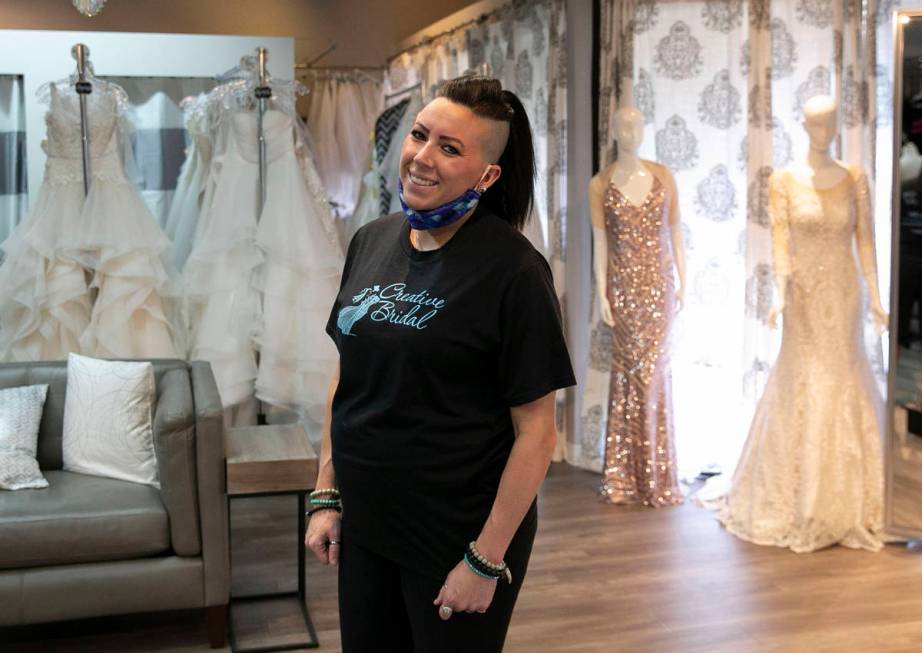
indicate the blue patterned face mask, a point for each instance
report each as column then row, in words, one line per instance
column 440, row 216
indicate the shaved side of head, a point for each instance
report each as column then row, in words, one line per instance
column 496, row 138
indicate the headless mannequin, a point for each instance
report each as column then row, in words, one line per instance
column 821, row 171
column 634, row 179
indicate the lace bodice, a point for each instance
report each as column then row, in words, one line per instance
column 812, row 229
column 277, row 130
column 104, row 106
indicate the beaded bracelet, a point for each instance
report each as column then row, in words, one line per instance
column 324, row 492
column 477, row 555
column 310, row 512
column 473, row 567
column 474, row 557
column 325, row 502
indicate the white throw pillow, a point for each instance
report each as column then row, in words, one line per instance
column 20, row 416
column 108, row 412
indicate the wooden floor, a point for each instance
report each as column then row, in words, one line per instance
column 602, row 578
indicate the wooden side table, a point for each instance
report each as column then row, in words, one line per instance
column 267, row 461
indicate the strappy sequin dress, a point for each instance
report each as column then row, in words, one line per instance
column 640, row 463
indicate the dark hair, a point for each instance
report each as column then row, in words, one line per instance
column 512, row 196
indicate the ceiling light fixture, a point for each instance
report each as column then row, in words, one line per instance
column 89, row 8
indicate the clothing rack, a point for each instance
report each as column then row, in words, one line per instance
column 354, row 73
column 308, row 67
column 482, row 18
column 83, row 87
column 263, row 93
column 408, row 89
column 318, row 57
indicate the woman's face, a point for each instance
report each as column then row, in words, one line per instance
column 445, row 154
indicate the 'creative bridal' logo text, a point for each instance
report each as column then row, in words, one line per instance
column 392, row 304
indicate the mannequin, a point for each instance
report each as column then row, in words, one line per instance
column 811, row 472
column 634, row 178
column 637, row 254
column 821, row 172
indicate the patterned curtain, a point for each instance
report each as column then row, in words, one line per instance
column 13, row 199
column 616, row 67
column 722, row 85
column 523, row 44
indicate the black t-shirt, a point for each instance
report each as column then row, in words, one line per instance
column 434, row 348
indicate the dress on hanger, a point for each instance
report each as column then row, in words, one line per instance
column 375, row 195
column 45, row 307
column 184, row 211
column 811, row 472
column 264, row 284
column 640, row 463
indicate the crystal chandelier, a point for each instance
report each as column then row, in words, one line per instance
column 89, row 7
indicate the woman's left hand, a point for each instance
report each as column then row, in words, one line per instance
column 465, row 591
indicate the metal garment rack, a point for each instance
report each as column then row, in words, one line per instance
column 83, row 87
column 405, row 91
column 262, row 92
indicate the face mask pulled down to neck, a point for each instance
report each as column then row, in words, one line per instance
column 443, row 215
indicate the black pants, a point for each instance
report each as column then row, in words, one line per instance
column 384, row 607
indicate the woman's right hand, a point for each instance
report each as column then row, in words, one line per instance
column 322, row 537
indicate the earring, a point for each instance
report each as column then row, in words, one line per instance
column 482, row 190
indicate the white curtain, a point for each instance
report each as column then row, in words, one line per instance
column 523, row 45
column 13, row 199
column 341, row 111
column 722, row 84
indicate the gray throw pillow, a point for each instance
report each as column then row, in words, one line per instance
column 20, row 416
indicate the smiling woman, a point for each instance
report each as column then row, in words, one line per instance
column 441, row 421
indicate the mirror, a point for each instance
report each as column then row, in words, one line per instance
column 903, row 452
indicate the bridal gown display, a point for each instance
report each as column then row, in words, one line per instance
column 183, row 216
column 811, row 472
column 45, row 302
column 264, row 285
column 640, row 460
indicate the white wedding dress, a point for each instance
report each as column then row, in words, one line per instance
column 109, row 236
column 264, row 285
column 811, row 472
column 185, row 208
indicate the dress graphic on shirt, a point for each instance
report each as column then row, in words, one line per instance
column 349, row 315
column 397, row 306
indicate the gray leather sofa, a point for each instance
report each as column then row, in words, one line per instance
column 88, row 546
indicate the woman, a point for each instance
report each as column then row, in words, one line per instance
column 440, row 425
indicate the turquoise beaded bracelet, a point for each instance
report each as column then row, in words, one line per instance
column 470, row 565
column 325, row 502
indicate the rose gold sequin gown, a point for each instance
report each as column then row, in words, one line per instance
column 640, row 464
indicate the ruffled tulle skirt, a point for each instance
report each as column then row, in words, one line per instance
column 86, row 273
column 259, row 292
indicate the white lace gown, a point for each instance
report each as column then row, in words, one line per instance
column 811, row 472
column 108, row 236
column 264, row 285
